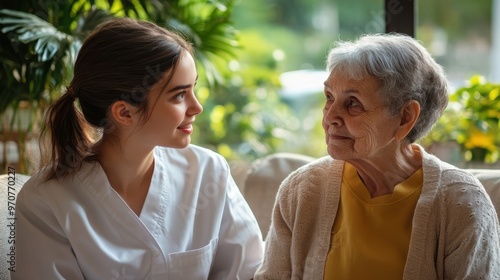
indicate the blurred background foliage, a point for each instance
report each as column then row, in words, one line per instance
column 244, row 49
column 472, row 120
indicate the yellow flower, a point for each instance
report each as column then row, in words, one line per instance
column 476, row 80
column 479, row 139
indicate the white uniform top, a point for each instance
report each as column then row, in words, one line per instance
column 195, row 224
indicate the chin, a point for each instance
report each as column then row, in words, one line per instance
column 184, row 144
column 178, row 145
column 335, row 153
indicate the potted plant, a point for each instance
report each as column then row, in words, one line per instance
column 472, row 121
column 479, row 126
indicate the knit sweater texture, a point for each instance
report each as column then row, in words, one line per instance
column 455, row 232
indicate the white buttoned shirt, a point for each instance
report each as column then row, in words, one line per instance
column 195, row 224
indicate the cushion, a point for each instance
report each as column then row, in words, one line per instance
column 263, row 180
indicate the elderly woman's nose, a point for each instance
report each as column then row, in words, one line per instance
column 333, row 114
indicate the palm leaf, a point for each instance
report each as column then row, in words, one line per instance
column 42, row 57
column 30, row 28
column 89, row 21
column 206, row 24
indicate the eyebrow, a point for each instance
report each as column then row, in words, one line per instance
column 349, row 90
column 179, row 87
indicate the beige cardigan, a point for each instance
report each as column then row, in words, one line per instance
column 455, row 231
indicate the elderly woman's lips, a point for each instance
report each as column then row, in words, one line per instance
column 338, row 137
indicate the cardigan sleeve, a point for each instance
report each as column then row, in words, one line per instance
column 299, row 237
column 472, row 234
column 277, row 263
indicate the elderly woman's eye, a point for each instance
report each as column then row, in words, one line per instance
column 354, row 106
column 352, row 103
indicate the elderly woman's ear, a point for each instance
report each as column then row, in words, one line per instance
column 409, row 116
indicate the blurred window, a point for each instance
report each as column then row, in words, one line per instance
column 463, row 36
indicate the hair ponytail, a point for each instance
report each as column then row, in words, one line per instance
column 67, row 136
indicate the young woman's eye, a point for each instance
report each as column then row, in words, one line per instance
column 180, row 96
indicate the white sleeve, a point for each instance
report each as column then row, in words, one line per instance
column 240, row 249
column 42, row 249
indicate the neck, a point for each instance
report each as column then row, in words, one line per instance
column 381, row 176
column 127, row 168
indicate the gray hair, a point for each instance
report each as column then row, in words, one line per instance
column 405, row 69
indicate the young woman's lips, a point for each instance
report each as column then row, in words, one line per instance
column 188, row 128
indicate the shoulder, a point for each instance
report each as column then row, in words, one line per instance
column 458, row 189
column 317, row 172
column 313, row 179
column 37, row 184
column 309, row 196
column 39, row 196
column 460, row 185
column 323, row 165
column 192, row 156
column 447, row 175
column 192, row 152
column 38, row 189
column 462, row 189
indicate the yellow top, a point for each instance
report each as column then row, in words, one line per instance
column 370, row 237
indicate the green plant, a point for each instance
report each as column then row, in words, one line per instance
column 472, row 120
column 37, row 59
column 243, row 115
column 40, row 40
column 39, row 43
column 480, row 122
column 245, row 118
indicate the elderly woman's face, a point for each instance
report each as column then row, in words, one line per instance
column 356, row 123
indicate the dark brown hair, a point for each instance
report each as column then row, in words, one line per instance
column 120, row 60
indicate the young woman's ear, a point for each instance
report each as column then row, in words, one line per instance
column 123, row 113
column 409, row 116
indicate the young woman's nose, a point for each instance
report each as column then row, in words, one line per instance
column 195, row 107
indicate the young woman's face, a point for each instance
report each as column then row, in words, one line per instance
column 172, row 108
column 356, row 123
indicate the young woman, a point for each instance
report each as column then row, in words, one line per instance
column 140, row 202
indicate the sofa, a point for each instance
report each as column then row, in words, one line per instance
column 258, row 181
column 262, row 179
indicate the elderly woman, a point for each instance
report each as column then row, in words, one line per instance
column 380, row 206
